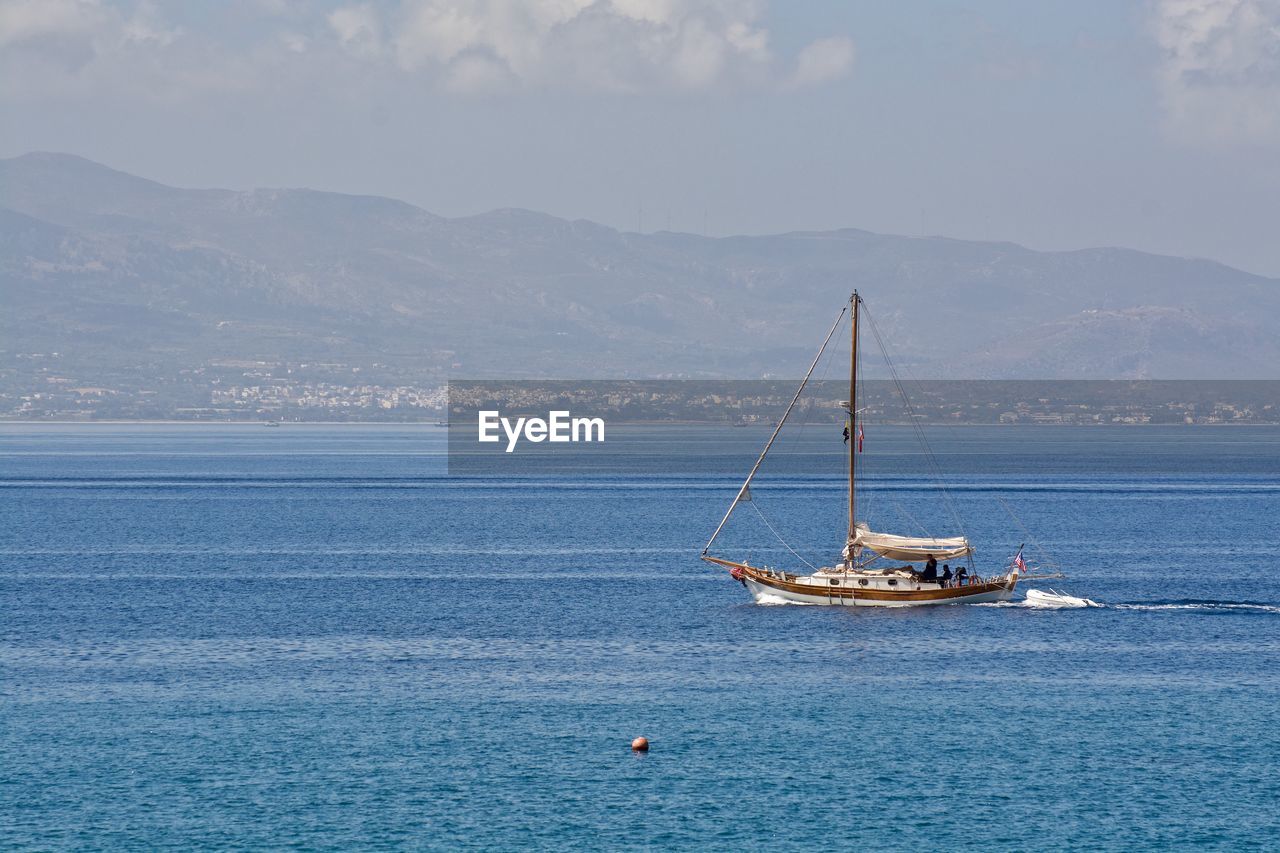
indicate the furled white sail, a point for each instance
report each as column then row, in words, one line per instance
column 912, row 548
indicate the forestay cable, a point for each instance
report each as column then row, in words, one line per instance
column 754, row 468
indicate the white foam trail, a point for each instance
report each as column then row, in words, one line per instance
column 1206, row 606
column 1190, row 607
column 768, row 599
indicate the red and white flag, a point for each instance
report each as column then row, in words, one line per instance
column 1019, row 563
column 859, row 438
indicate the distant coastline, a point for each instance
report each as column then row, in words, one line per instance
column 725, row 401
column 10, row 422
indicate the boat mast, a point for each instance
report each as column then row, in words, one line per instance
column 853, row 416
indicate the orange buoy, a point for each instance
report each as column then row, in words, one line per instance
column 640, row 744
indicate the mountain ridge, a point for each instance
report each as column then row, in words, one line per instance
column 143, row 275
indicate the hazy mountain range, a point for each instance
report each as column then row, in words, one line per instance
column 120, row 274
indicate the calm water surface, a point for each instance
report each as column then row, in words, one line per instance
column 311, row 636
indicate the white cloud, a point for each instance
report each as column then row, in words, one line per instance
column 1220, row 67
column 823, row 60
column 294, row 42
column 605, row 44
column 359, row 30
column 70, row 47
column 96, row 26
column 59, row 46
column 477, row 72
column 30, row 20
column 609, row 45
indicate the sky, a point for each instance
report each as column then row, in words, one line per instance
column 1060, row 124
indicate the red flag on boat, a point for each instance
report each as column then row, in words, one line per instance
column 1018, row 562
column 860, row 438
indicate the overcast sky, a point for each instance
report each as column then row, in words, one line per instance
column 1058, row 125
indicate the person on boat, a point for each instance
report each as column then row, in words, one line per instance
column 946, row 575
column 846, row 434
column 930, row 570
column 962, row 576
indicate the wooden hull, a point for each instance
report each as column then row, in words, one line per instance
column 775, row 587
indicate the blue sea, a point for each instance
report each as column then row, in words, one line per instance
column 313, row 637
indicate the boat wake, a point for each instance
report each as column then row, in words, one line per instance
column 1038, row 600
column 765, row 599
column 1204, row 606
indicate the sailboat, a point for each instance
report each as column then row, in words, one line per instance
column 865, row 575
